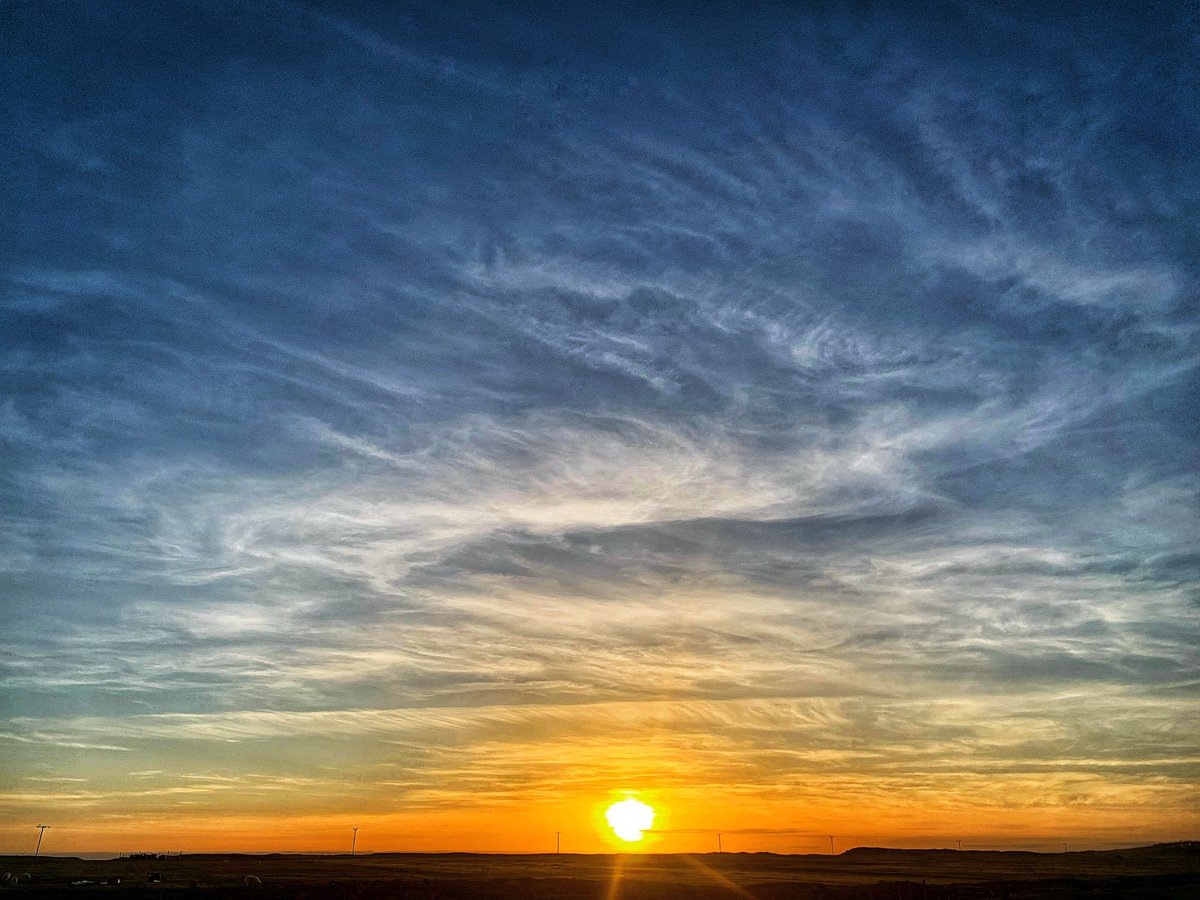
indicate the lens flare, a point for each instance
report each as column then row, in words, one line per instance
column 629, row 819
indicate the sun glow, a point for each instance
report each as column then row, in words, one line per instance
column 629, row 819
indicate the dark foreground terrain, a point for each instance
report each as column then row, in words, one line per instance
column 1164, row 870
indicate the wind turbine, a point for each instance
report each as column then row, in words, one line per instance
column 558, row 842
column 353, row 839
column 41, row 830
column 719, row 850
column 831, row 852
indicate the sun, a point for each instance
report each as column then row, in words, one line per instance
column 629, row 819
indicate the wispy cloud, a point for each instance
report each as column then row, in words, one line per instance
column 774, row 408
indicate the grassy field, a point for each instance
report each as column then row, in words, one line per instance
column 1169, row 871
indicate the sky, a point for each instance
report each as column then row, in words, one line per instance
column 450, row 419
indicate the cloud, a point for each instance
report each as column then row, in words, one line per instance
column 809, row 404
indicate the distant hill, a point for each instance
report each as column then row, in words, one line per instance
column 1175, row 848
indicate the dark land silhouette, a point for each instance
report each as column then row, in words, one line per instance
column 1162, row 870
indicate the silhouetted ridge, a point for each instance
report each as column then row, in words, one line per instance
column 1175, row 848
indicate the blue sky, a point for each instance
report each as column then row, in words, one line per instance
column 807, row 394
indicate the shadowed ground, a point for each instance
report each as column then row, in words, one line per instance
column 1166, row 870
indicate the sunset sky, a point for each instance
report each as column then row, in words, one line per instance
column 449, row 419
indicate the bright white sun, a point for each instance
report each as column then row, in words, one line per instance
column 629, row 819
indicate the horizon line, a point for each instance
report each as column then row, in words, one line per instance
column 1115, row 845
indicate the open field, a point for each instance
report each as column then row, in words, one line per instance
column 1170, row 870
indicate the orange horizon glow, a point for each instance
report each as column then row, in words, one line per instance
column 512, row 797
column 521, row 829
column 695, row 793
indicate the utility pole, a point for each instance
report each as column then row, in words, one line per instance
column 831, row 851
column 719, row 850
column 959, row 843
column 41, row 830
column 558, row 842
column 353, row 839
